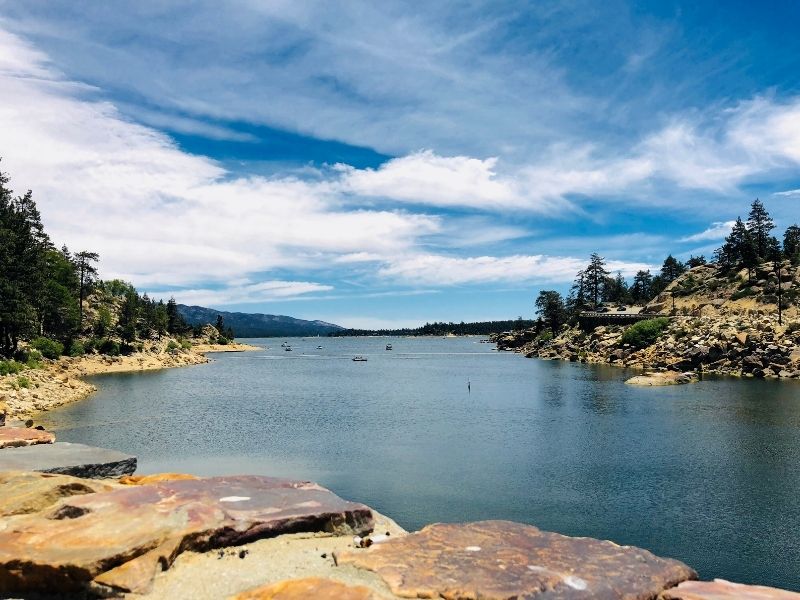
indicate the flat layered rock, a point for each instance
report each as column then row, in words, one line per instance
column 13, row 437
column 719, row 589
column 121, row 538
column 67, row 458
column 317, row 588
column 25, row 492
column 498, row 560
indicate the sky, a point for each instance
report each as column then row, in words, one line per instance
column 387, row 164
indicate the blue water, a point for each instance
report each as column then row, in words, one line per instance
column 706, row 473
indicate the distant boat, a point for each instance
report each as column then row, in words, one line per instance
column 288, row 348
column 359, row 359
column 388, row 346
column 319, row 347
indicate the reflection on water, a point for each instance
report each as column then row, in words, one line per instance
column 707, row 473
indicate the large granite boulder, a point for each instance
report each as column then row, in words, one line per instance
column 316, row 588
column 14, row 437
column 25, row 492
column 116, row 541
column 67, row 458
column 719, row 589
column 498, row 560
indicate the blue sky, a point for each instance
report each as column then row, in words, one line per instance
column 374, row 165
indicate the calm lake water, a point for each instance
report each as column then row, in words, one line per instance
column 706, row 473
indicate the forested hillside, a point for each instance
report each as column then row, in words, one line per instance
column 53, row 302
column 251, row 325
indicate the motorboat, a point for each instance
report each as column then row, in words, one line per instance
column 388, row 346
column 359, row 359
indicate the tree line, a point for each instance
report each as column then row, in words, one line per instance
column 55, row 299
column 440, row 329
column 748, row 245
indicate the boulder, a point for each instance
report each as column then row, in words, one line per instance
column 497, row 560
column 121, row 538
column 14, row 437
column 69, row 459
column 306, row 589
column 719, row 589
column 25, row 492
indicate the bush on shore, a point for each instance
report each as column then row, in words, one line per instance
column 47, row 347
column 644, row 333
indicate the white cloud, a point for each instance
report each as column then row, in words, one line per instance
column 716, row 231
column 157, row 215
column 264, row 291
column 790, row 193
column 434, row 269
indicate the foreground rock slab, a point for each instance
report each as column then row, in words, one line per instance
column 498, row 560
column 13, row 437
column 67, row 458
column 719, row 589
column 25, row 492
column 116, row 541
column 317, row 588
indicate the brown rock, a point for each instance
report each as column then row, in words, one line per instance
column 23, row 492
column 719, row 589
column 82, row 537
column 155, row 478
column 13, row 437
column 497, row 560
column 306, row 589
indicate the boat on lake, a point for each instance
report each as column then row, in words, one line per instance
column 388, row 346
column 359, row 359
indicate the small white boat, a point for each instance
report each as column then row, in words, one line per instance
column 359, row 359
column 319, row 347
column 288, row 348
column 388, row 346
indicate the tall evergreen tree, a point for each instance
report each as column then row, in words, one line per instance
column 760, row 224
column 642, row 287
column 550, row 308
column 594, row 277
column 87, row 274
column 791, row 244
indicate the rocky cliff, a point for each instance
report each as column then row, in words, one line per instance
column 721, row 323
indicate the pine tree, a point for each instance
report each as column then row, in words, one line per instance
column 642, row 287
column 550, row 308
column 791, row 244
column 594, row 277
column 87, row 274
column 760, row 224
column 672, row 269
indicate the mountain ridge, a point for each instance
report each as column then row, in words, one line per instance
column 248, row 325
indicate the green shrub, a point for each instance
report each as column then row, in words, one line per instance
column 109, row 347
column 10, row 367
column 76, row 348
column 545, row 336
column 644, row 333
column 186, row 344
column 172, row 345
column 743, row 293
column 223, row 341
column 49, row 348
column 23, row 382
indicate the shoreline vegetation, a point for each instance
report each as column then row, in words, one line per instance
column 62, row 381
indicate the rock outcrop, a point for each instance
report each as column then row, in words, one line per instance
column 115, row 541
column 14, row 437
column 68, row 458
column 497, row 560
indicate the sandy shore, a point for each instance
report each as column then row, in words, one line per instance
column 62, row 381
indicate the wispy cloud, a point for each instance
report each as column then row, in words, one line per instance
column 716, row 231
column 433, row 269
column 264, row 291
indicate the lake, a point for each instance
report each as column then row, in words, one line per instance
column 707, row 473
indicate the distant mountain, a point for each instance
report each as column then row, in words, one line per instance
column 256, row 324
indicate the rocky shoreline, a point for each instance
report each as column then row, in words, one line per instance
column 743, row 345
column 62, row 381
